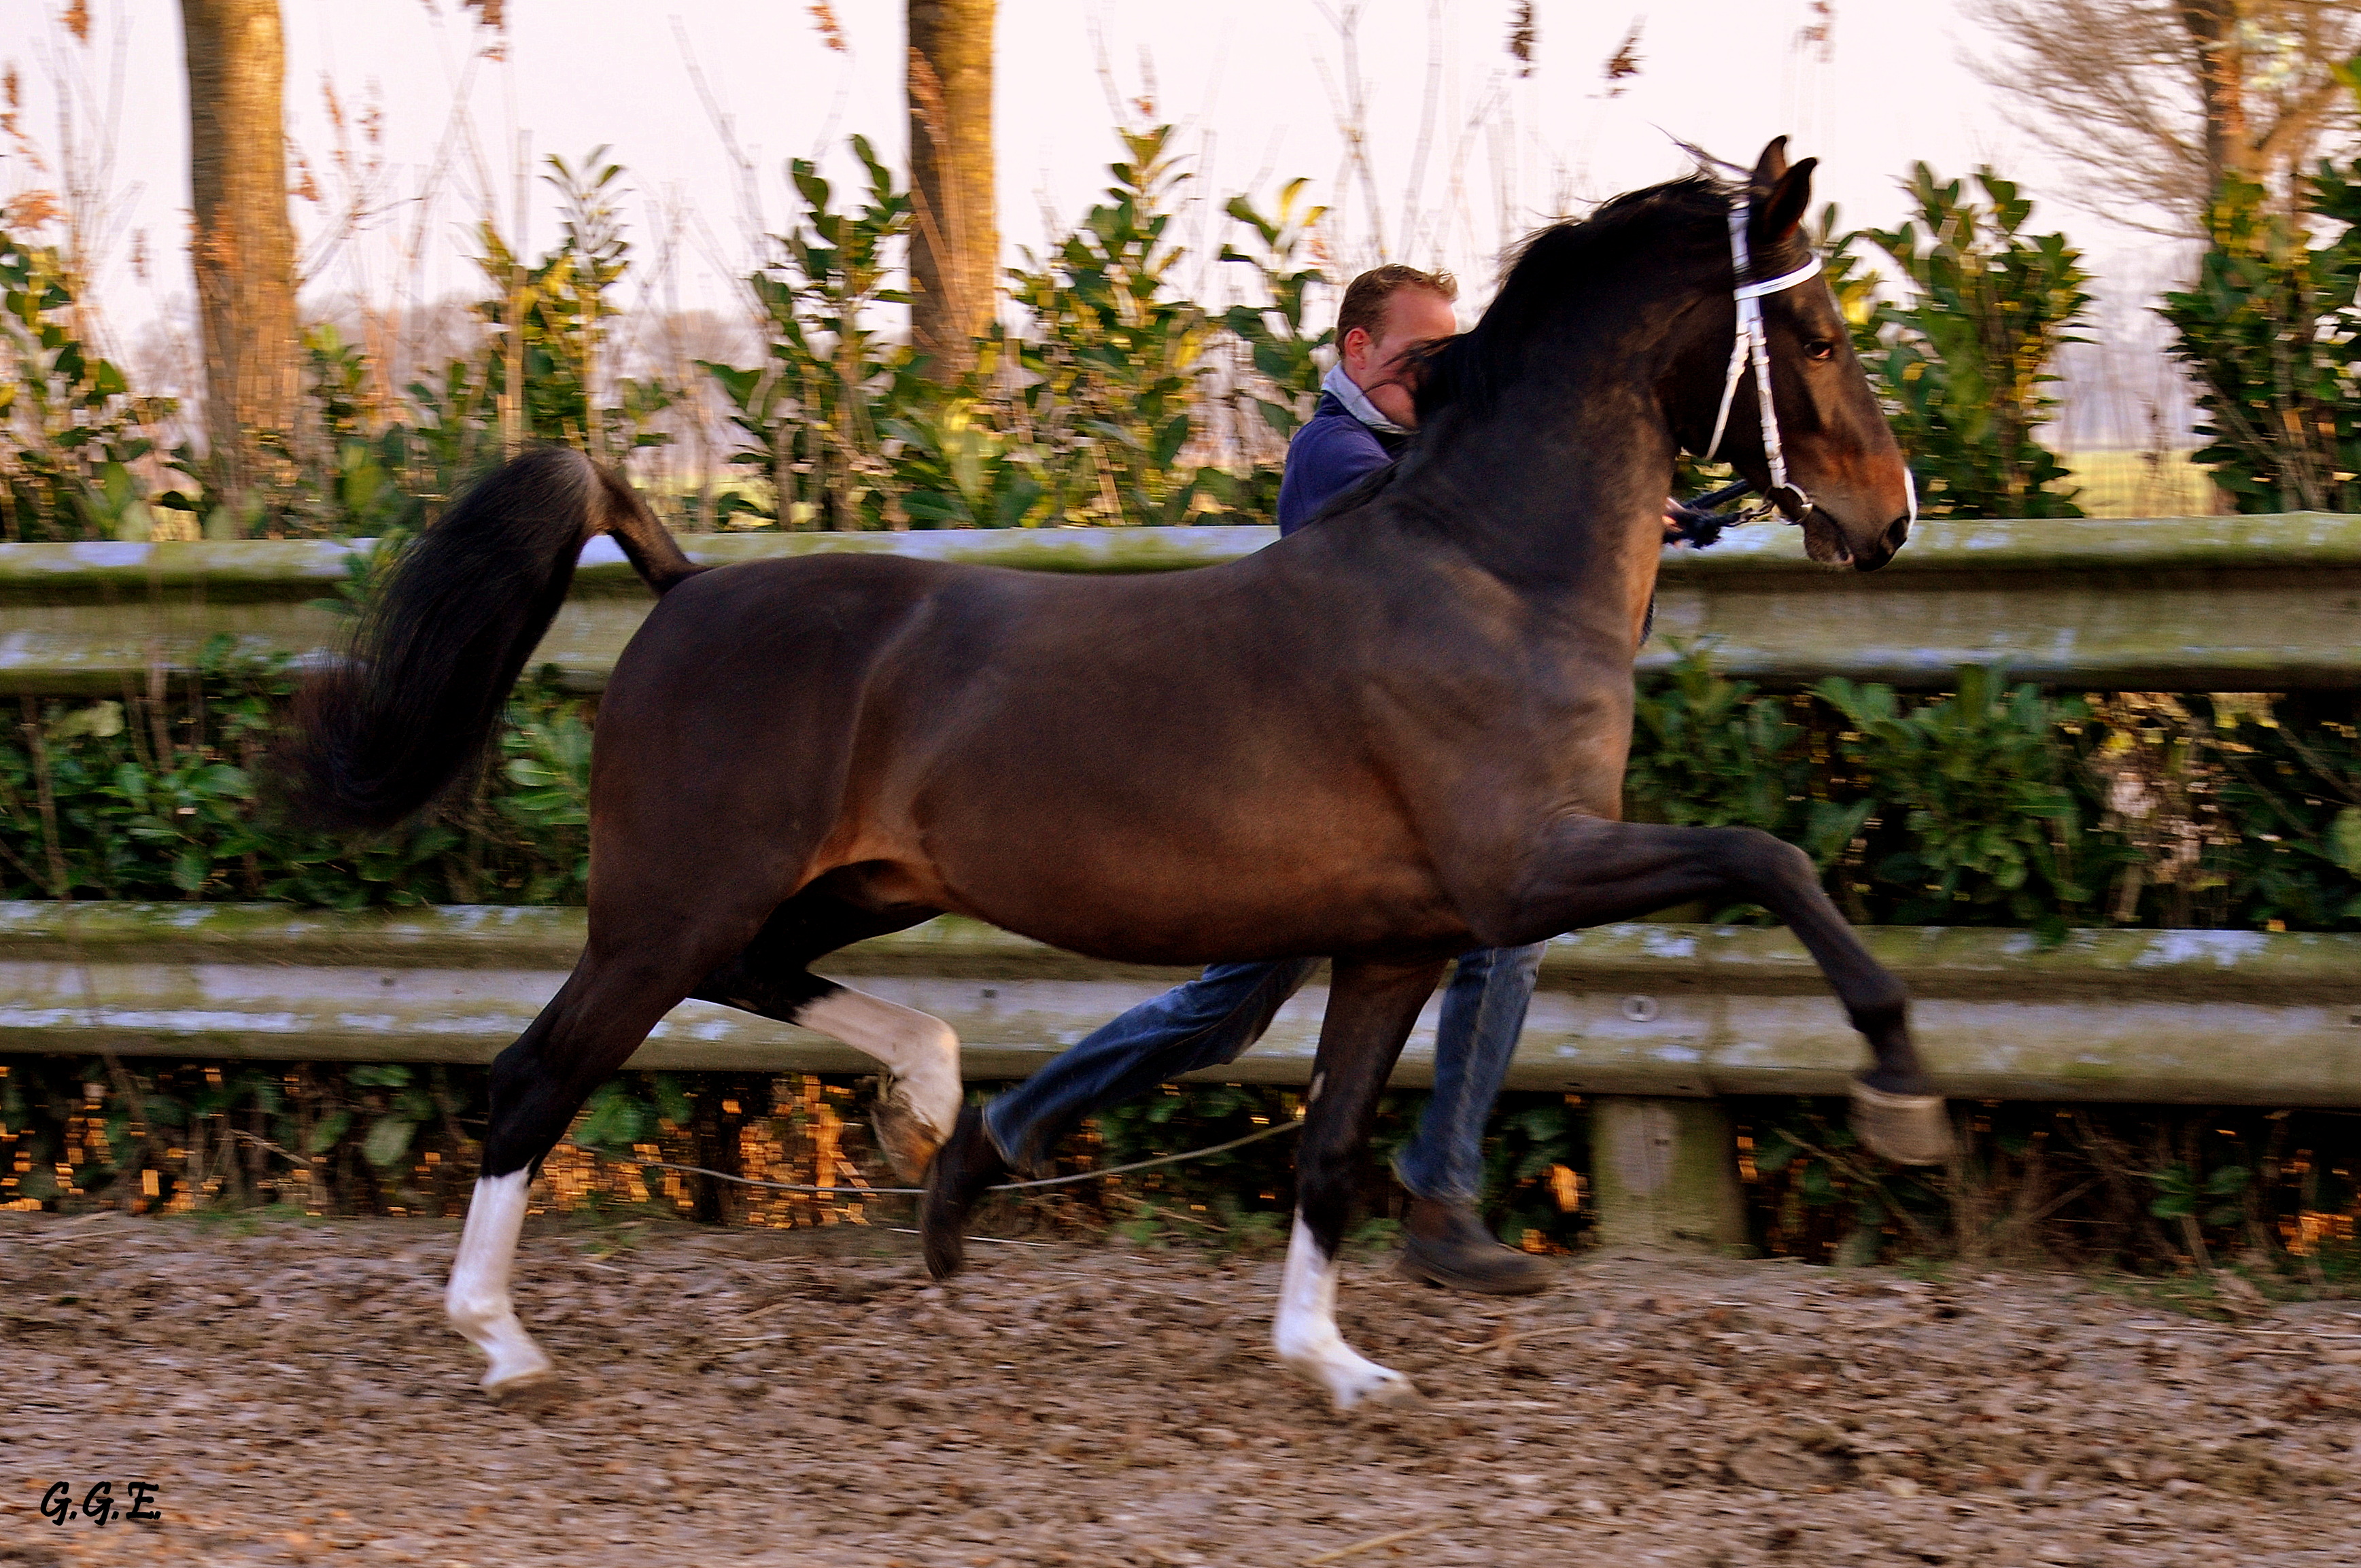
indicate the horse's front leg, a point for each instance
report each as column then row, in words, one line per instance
column 1592, row 871
column 1370, row 1010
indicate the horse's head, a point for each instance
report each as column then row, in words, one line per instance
column 1838, row 449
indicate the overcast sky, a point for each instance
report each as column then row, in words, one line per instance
column 1258, row 88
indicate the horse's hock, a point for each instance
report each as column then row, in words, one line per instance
column 1665, row 1175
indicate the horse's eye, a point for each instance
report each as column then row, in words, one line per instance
column 1820, row 348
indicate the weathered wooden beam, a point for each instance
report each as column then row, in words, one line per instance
column 2239, row 603
column 1662, row 1010
column 1663, row 1176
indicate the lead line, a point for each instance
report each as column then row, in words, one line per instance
column 1270, row 1132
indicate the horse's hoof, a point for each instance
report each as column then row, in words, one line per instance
column 1389, row 1390
column 529, row 1394
column 1908, row 1129
column 1352, row 1382
column 906, row 1142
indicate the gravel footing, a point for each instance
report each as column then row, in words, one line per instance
column 806, row 1397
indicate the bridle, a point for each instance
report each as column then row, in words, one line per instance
column 1751, row 345
column 1698, row 523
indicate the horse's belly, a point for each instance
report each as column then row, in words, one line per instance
column 1202, row 891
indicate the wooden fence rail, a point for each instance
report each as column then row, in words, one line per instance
column 2170, row 603
column 1655, row 1021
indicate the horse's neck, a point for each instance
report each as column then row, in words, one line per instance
column 1559, row 490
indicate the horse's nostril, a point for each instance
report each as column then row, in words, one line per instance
column 1899, row 534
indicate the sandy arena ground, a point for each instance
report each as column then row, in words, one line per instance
column 804, row 1397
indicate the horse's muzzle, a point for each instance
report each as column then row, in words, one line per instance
column 1825, row 541
column 1824, row 538
column 1889, row 544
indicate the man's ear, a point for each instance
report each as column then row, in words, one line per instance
column 1780, row 194
column 1345, row 345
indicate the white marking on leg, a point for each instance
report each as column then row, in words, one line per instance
column 477, row 1299
column 1304, row 1331
column 920, row 1051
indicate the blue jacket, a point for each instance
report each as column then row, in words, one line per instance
column 1328, row 454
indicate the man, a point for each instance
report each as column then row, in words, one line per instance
column 1367, row 409
column 1364, row 419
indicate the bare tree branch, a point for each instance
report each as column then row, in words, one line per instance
column 2153, row 103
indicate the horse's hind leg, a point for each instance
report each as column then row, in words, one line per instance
column 919, row 1099
column 1370, row 1010
column 617, row 993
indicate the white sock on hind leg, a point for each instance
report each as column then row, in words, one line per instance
column 919, row 1050
column 477, row 1301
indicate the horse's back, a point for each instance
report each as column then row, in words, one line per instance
column 770, row 623
column 981, row 725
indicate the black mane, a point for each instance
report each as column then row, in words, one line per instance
column 1553, row 264
column 1550, row 265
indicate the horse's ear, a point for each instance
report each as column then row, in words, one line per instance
column 1769, row 167
column 1779, row 207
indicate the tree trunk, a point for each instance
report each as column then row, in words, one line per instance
column 242, row 243
column 955, row 234
column 2222, row 81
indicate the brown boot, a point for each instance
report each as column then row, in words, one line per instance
column 962, row 1169
column 1449, row 1246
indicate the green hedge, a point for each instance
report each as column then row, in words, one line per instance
column 1999, row 805
column 2154, row 1189
column 169, row 799
column 1989, row 804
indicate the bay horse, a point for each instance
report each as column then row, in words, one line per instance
column 1394, row 736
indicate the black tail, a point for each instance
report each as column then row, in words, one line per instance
column 434, row 660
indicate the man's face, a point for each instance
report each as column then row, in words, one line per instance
column 1379, row 366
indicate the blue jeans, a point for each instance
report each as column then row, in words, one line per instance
column 1213, row 1019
